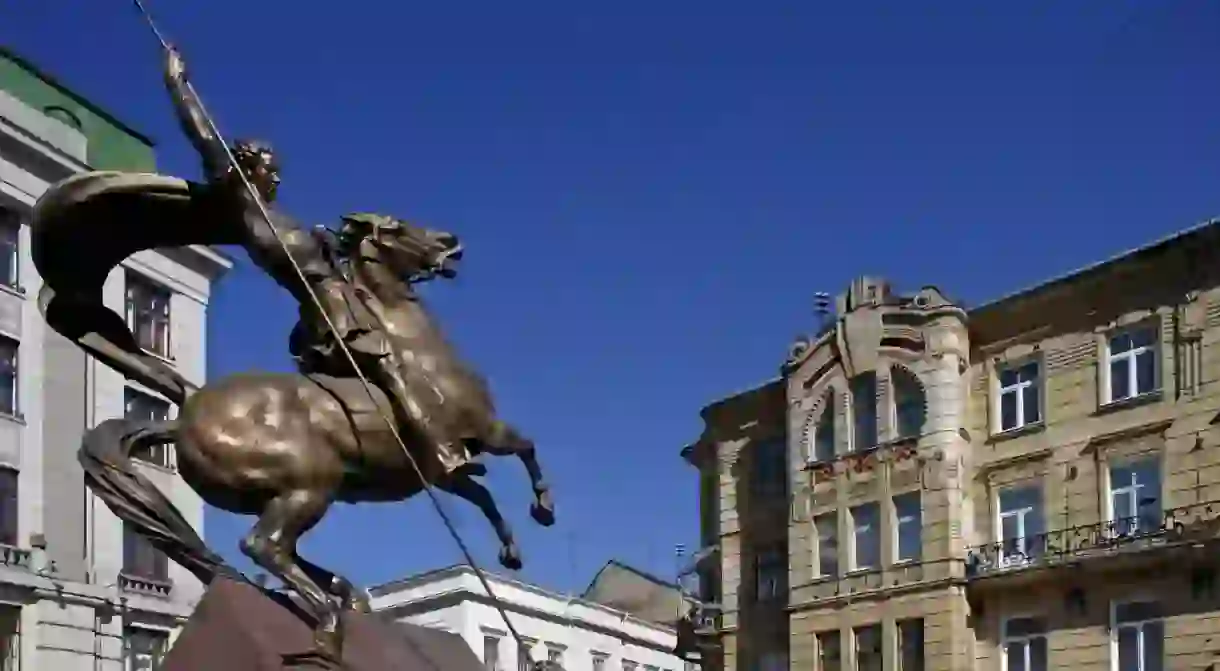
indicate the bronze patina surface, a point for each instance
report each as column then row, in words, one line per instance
column 279, row 446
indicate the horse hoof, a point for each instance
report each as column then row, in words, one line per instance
column 510, row 558
column 543, row 511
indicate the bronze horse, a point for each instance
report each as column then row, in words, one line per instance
column 284, row 446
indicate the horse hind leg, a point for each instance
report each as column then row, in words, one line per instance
column 464, row 487
column 504, row 440
column 272, row 545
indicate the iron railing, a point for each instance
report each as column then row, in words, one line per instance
column 1143, row 532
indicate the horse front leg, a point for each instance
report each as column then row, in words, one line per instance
column 272, row 545
column 464, row 487
column 336, row 585
column 503, row 440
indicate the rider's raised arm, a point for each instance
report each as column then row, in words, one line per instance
column 193, row 118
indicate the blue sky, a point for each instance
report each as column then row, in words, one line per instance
column 650, row 193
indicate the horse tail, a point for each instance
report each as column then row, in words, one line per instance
column 110, row 473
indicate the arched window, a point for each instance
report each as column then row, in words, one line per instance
column 823, row 444
column 910, row 406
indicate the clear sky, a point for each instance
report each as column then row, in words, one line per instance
column 651, row 192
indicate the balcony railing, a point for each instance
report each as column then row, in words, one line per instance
column 142, row 585
column 14, row 556
column 1129, row 534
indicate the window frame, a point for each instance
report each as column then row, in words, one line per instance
column 136, row 547
column 10, row 236
column 879, row 652
column 897, row 433
column 1115, row 625
column 823, row 421
column 854, row 445
column 525, row 653
column 833, row 516
column 769, row 466
column 819, row 637
column 10, row 367
column 1005, row 638
column 1105, row 362
column 10, row 506
column 135, row 283
column 158, row 635
column 1112, row 521
column 999, row 389
column 855, row 537
column 767, row 557
column 157, row 455
column 488, row 638
column 1025, row 554
column 896, row 528
column 900, row 641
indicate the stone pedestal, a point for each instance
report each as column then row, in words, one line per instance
column 238, row 627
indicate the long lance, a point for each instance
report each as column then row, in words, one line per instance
column 330, row 324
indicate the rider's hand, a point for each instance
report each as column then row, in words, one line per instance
column 175, row 67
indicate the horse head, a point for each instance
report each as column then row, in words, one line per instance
column 414, row 253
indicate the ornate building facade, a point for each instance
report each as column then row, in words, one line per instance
column 1031, row 484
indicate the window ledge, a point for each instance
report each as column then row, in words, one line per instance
column 13, row 290
column 12, row 417
column 1009, row 434
column 1146, row 398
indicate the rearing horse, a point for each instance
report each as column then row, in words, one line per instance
column 284, row 446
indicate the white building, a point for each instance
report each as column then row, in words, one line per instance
column 76, row 592
column 581, row 635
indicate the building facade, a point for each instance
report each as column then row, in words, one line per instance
column 580, row 635
column 1027, row 485
column 76, row 591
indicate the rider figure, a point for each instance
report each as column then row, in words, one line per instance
column 313, row 342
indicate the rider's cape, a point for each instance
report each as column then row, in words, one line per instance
column 85, row 226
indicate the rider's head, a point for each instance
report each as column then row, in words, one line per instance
column 257, row 161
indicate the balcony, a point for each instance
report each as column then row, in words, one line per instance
column 135, row 584
column 697, row 632
column 1131, row 538
column 14, row 556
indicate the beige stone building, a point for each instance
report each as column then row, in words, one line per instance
column 1030, row 484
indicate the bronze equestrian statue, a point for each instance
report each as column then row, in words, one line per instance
column 279, row 446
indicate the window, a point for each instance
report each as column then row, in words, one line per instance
column 10, row 637
column 599, row 662
column 910, row 645
column 1135, row 496
column 145, row 648
column 650, row 668
column 771, row 467
column 8, row 506
column 827, row 548
column 868, row 648
column 1024, row 644
column 148, row 314
column 1022, row 530
column 141, row 559
column 523, row 655
column 1138, row 637
column 629, row 665
column 866, row 536
column 1020, row 396
column 1131, row 358
column 491, row 653
column 824, row 431
column 864, row 411
column 141, row 406
column 830, row 653
column 908, row 522
column 771, row 566
column 910, row 408
column 8, row 376
column 10, row 231
column 554, row 655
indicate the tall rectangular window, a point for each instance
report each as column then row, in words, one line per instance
column 1022, row 526
column 1020, row 396
column 148, row 314
column 910, row 645
column 1131, row 357
column 599, row 661
column 770, row 461
column 830, row 651
column 910, row 404
column 1024, row 644
column 1135, row 496
column 908, row 523
column 554, row 655
column 864, row 411
column 826, row 526
column 10, row 638
column 9, row 505
column 144, row 407
column 145, row 648
column 9, row 376
column 523, row 655
column 771, row 567
column 1139, row 636
column 491, row 653
column 10, row 258
column 866, row 536
column 824, row 446
column 141, row 559
column 868, row 648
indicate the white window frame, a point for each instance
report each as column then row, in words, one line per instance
column 499, row 661
column 10, row 221
column 827, row 410
column 818, row 548
column 135, row 281
column 129, row 661
column 855, row 537
column 1133, row 489
column 899, row 521
column 1022, row 542
column 1018, row 389
column 1114, row 627
column 1106, row 387
column 13, row 362
column 1005, row 639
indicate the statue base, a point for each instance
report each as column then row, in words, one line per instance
column 238, row 627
